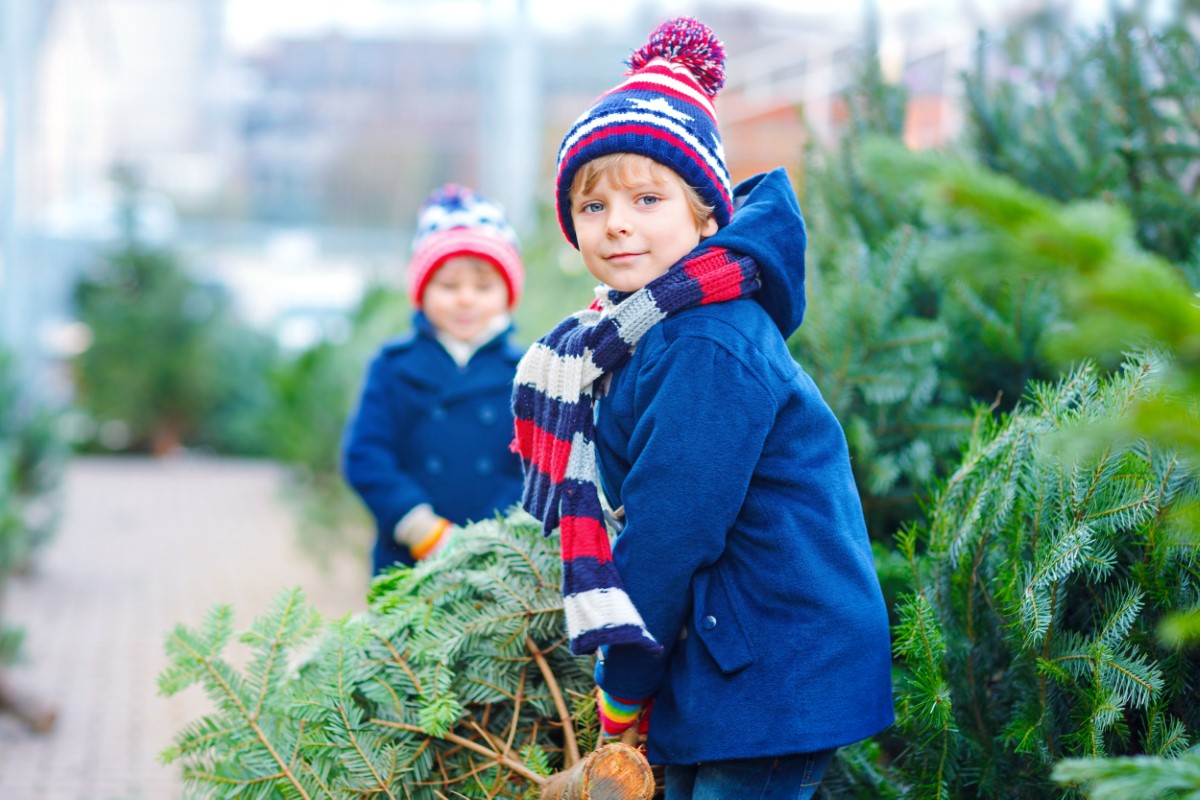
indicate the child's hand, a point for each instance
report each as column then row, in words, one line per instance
column 424, row 532
column 436, row 538
column 618, row 716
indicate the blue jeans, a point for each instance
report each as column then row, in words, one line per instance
column 784, row 778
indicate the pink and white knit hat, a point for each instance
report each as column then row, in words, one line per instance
column 456, row 221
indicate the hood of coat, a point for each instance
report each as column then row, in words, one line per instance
column 767, row 225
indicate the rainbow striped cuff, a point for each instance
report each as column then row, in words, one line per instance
column 617, row 715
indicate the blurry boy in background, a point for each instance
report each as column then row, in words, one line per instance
column 427, row 448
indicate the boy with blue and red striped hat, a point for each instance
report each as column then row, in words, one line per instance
column 739, row 596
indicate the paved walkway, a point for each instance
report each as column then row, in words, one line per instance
column 144, row 545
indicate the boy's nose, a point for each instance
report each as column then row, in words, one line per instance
column 618, row 224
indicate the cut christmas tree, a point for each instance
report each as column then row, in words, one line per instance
column 456, row 682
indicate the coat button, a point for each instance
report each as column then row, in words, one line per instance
column 487, row 415
column 483, row 465
column 434, row 465
column 709, row 622
column 437, row 413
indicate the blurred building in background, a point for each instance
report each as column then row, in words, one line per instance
column 128, row 82
column 300, row 164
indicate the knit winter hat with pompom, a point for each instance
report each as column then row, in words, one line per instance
column 663, row 111
column 456, row 221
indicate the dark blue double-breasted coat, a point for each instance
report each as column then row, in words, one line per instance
column 429, row 431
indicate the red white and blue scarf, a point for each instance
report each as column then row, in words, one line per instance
column 553, row 399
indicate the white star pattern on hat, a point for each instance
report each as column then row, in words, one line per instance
column 661, row 106
column 477, row 214
column 718, row 148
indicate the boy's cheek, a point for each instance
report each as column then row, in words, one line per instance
column 594, row 273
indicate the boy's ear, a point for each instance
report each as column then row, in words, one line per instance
column 709, row 227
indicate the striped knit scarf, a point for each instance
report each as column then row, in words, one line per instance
column 553, row 399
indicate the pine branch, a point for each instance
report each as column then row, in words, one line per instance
column 568, row 729
column 456, row 661
column 462, row 741
column 1143, row 777
column 203, row 664
column 1068, row 672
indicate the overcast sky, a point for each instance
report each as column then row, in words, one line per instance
column 250, row 22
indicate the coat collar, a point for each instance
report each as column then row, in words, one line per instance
column 432, row 368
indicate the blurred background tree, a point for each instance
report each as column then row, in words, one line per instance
column 169, row 363
column 903, row 351
column 312, row 396
column 33, row 456
column 1111, row 115
column 902, row 354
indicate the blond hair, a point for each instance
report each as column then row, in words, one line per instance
column 623, row 170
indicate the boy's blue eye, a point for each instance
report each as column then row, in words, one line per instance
column 648, row 199
column 593, row 208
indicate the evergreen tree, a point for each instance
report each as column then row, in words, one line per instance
column 901, row 353
column 168, row 361
column 1114, row 297
column 1110, row 116
column 312, row 395
column 1143, row 777
column 32, row 458
column 247, row 357
column 456, row 682
column 1038, row 586
column 1107, row 115
column 880, row 365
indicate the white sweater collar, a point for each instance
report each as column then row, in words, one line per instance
column 462, row 351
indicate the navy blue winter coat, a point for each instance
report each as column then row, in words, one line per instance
column 429, row 431
column 744, row 546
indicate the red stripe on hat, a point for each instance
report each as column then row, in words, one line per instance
column 542, row 449
column 438, row 247
column 656, row 133
column 584, row 537
column 715, row 286
column 661, row 69
column 658, row 88
column 664, row 69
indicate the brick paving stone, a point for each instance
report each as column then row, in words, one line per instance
column 145, row 544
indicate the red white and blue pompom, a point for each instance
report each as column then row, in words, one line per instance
column 690, row 43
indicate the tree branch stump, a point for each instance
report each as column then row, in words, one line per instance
column 614, row 772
